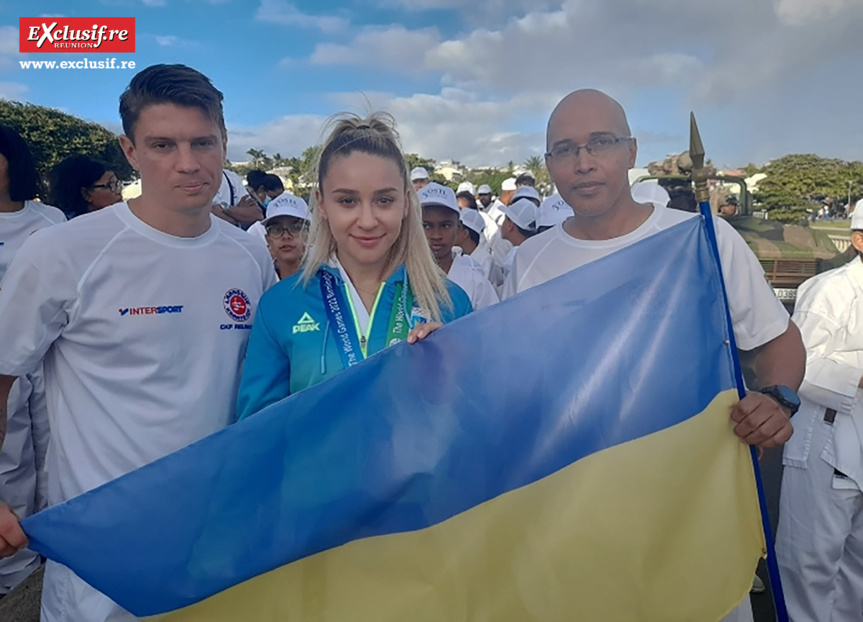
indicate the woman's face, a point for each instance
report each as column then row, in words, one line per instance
column 104, row 192
column 364, row 200
column 286, row 238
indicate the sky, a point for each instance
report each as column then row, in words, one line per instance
column 475, row 81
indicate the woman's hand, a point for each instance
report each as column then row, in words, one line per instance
column 422, row 331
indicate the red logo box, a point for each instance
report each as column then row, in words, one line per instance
column 76, row 34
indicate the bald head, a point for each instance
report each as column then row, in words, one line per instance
column 595, row 108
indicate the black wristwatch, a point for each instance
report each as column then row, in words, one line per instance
column 784, row 396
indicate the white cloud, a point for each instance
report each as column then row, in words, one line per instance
column 282, row 12
column 799, row 12
column 13, row 90
column 392, row 47
column 154, row 2
column 288, row 136
column 167, row 40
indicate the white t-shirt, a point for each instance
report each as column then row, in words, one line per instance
column 15, row 227
column 223, row 196
column 467, row 274
column 482, row 255
column 756, row 313
column 142, row 334
column 258, row 231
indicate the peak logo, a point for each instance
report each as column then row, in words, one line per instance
column 150, row 310
column 76, row 34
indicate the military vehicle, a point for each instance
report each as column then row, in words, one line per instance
column 789, row 254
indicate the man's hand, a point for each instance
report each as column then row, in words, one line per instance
column 761, row 421
column 218, row 212
column 12, row 538
column 246, row 211
column 422, row 331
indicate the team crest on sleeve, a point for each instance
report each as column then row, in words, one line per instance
column 237, row 305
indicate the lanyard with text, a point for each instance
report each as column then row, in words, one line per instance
column 347, row 340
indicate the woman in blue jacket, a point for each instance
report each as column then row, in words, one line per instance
column 368, row 280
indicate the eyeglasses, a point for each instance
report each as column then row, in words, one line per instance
column 293, row 229
column 595, row 146
column 113, row 186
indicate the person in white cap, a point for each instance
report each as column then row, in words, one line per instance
column 552, row 212
column 819, row 543
column 650, row 192
column 285, row 229
column 466, row 186
column 442, row 225
column 475, row 246
column 527, row 192
column 233, row 202
column 518, row 226
column 419, row 177
column 524, row 178
column 484, row 196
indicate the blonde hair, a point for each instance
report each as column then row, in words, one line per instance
column 376, row 135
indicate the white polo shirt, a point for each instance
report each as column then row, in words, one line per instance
column 756, row 313
column 15, row 227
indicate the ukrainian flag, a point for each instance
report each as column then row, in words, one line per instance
column 566, row 455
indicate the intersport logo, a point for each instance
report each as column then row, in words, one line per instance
column 76, row 34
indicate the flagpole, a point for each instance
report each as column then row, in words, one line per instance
column 700, row 175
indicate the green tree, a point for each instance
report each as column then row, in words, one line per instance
column 799, row 182
column 53, row 135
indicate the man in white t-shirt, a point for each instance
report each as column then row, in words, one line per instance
column 22, row 457
column 141, row 312
column 590, row 151
column 442, row 225
column 233, row 202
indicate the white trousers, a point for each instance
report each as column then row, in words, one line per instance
column 819, row 543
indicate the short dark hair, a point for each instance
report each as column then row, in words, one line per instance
column 272, row 182
column 473, row 235
column 23, row 178
column 525, row 179
column 68, row 178
column 170, row 84
column 528, row 233
column 466, row 195
column 255, row 178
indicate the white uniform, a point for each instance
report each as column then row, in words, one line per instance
column 142, row 335
column 231, row 187
column 468, row 274
column 820, row 536
column 22, row 459
column 508, row 261
column 482, row 255
column 499, row 246
column 757, row 315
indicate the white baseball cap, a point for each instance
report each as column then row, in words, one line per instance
column 647, row 192
column 484, row 189
column 419, row 173
column 857, row 216
column 472, row 219
column 522, row 213
column 508, row 184
column 437, row 194
column 287, row 204
column 553, row 211
column 526, row 192
column 466, row 186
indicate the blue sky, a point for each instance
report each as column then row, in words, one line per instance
column 475, row 81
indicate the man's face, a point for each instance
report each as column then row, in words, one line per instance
column 420, row 183
column 506, row 196
column 179, row 152
column 485, row 199
column 441, row 225
column 591, row 183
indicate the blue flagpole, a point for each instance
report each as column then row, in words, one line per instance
column 699, row 175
